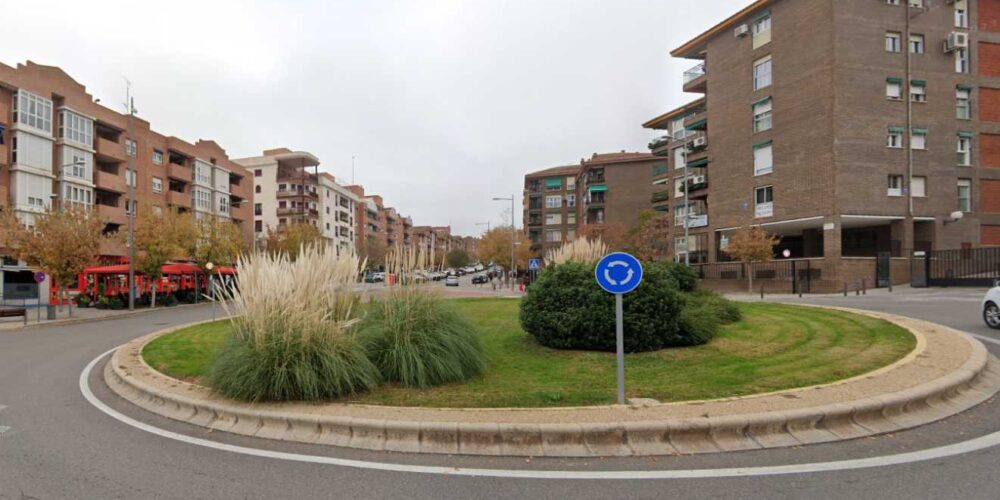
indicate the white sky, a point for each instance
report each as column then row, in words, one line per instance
column 445, row 103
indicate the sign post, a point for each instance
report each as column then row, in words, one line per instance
column 619, row 273
column 39, row 279
column 534, row 265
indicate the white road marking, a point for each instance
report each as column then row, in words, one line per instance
column 986, row 339
column 972, row 445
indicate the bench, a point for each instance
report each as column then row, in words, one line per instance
column 13, row 312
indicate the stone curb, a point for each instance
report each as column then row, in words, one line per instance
column 975, row 381
column 77, row 321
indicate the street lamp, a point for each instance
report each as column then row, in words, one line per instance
column 513, row 233
column 487, row 224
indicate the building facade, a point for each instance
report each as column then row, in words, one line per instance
column 550, row 200
column 59, row 146
column 825, row 123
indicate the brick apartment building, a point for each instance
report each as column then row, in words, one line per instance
column 289, row 189
column 59, row 145
column 604, row 193
column 802, row 129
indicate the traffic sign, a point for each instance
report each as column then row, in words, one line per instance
column 618, row 273
column 39, row 277
column 534, row 264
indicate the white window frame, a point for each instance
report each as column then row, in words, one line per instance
column 961, row 60
column 918, row 186
column 76, row 128
column 894, row 140
column 762, row 79
column 918, row 141
column 131, row 147
column 918, row 93
column 895, row 185
column 763, row 160
column 157, row 185
column 33, row 110
column 553, row 219
column 963, row 104
column 157, row 157
column 961, row 14
column 766, row 208
column 917, row 44
column 553, row 201
column 893, row 91
column 762, row 116
column 893, row 41
column 761, row 31
column 965, row 195
column 964, row 152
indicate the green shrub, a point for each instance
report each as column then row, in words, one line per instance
column 685, row 276
column 82, row 300
column 418, row 340
column 566, row 309
column 726, row 310
column 290, row 371
column 115, row 303
column 170, row 300
column 699, row 322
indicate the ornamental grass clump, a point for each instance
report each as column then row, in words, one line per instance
column 417, row 339
column 294, row 330
column 583, row 250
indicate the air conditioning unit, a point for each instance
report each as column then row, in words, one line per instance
column 700, row 142
column 697, row 179
column 741, row 31
column 956, row 40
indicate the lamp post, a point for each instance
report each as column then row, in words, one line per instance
column 513, row 233
column 130, row 204
column 487, row 224
column 211, row 286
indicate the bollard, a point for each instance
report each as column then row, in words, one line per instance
column 864, row 286
column 890, row 286
column 857, row 288
column 762, row 292
column 845, row 289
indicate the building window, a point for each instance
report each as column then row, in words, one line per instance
column 918, row 186
column 570, row 183
column 571, row 200
column 961, row 14
column 895, row 185
column 916, row 44
column 131, row 147
column 892, row 41
column 762, row 73
column 258, row 226
column 762, row 159
column 918, row 91
column 917, row 4
column 895, row 137
column 918, row 138
column 256, row 189
column 892, row 2
column 258, row 209
column 130, row 177
column 763, row 201
column 964, row 151
column 553, row 236
column 962, row 60
column 894, row 88
column 76, row 128
column 965, row 195
column 157, row 185
column 131, row 208
column 762, row 116
column 33, row 111
column 553, row 201
column 571, row 218
column 963, row 104
column 553, row 219
column 761, row 30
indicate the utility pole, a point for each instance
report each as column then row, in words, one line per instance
column 130, row 203
column 687, row 213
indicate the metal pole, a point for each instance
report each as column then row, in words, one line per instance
column 620, row 341
column 687, row 215
column 909, row 114
column 130, row 202
column 513, row 236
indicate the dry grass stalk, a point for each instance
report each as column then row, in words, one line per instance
column 581, row 249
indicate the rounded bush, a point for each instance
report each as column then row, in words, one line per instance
column 291, row 371
column 566, row 309
column 700, row 322
column 418, row 340
column 685, row 276
column 726, row 310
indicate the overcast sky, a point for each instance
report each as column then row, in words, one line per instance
column 445, row 104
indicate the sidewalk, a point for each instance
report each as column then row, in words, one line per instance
column 37, row 316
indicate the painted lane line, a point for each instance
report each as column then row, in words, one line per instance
column 972, row 445
column 986, row 339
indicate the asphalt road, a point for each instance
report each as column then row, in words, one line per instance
column 54, row 444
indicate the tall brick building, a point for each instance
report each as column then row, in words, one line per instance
column 802, row 129
column 60, row 146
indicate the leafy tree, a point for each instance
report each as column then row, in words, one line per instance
column 752, row 244
column 60, row 242
column 495, row 247
column 648, row 238
column 373, row 251
column 161, row 236
column 458, row 258
column 291, row 240
column 615, row 236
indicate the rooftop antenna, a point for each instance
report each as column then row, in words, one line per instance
column 352, row 169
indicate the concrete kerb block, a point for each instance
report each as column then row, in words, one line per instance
column 649, row 438
column 729, row 433
column 839, row 419
column 770, row 430
column 606, row 440
column 368, row 434
column 273, row 425
column 402, row 436
column 692, row 435
column 334, row 431
column 439, row 437
column 521, row 440
column 479, row 438
column 564, row 440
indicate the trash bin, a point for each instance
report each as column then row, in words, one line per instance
column 50, row 312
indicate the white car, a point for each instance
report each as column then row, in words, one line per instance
column 991, row 308
column 451, row 280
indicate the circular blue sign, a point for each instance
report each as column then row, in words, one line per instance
column 618, row 272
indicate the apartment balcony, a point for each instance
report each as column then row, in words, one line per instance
column 301, row 178
column 696, row 186
column 110, row 151
column 661, row 146
column 298, row 212
column 112, row 214
column 109, row 182
column 696, row 79
column 596, row 198
column 660, row 196
column 113, row 247
column 535, row 221
column 693, row 220
column 697, row 122
column 300, row 195
column 179, row 172
column 178, row 199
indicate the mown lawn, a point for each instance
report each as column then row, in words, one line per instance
column 775, row 347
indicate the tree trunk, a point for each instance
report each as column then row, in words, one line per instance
column 69, row 304
column 750, row 276
column 153, row 303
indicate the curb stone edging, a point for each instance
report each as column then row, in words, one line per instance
column 974, row 381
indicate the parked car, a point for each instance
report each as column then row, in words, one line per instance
column 480, row 279
column 374, row 277
column 991, row 308
column 451, row 280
